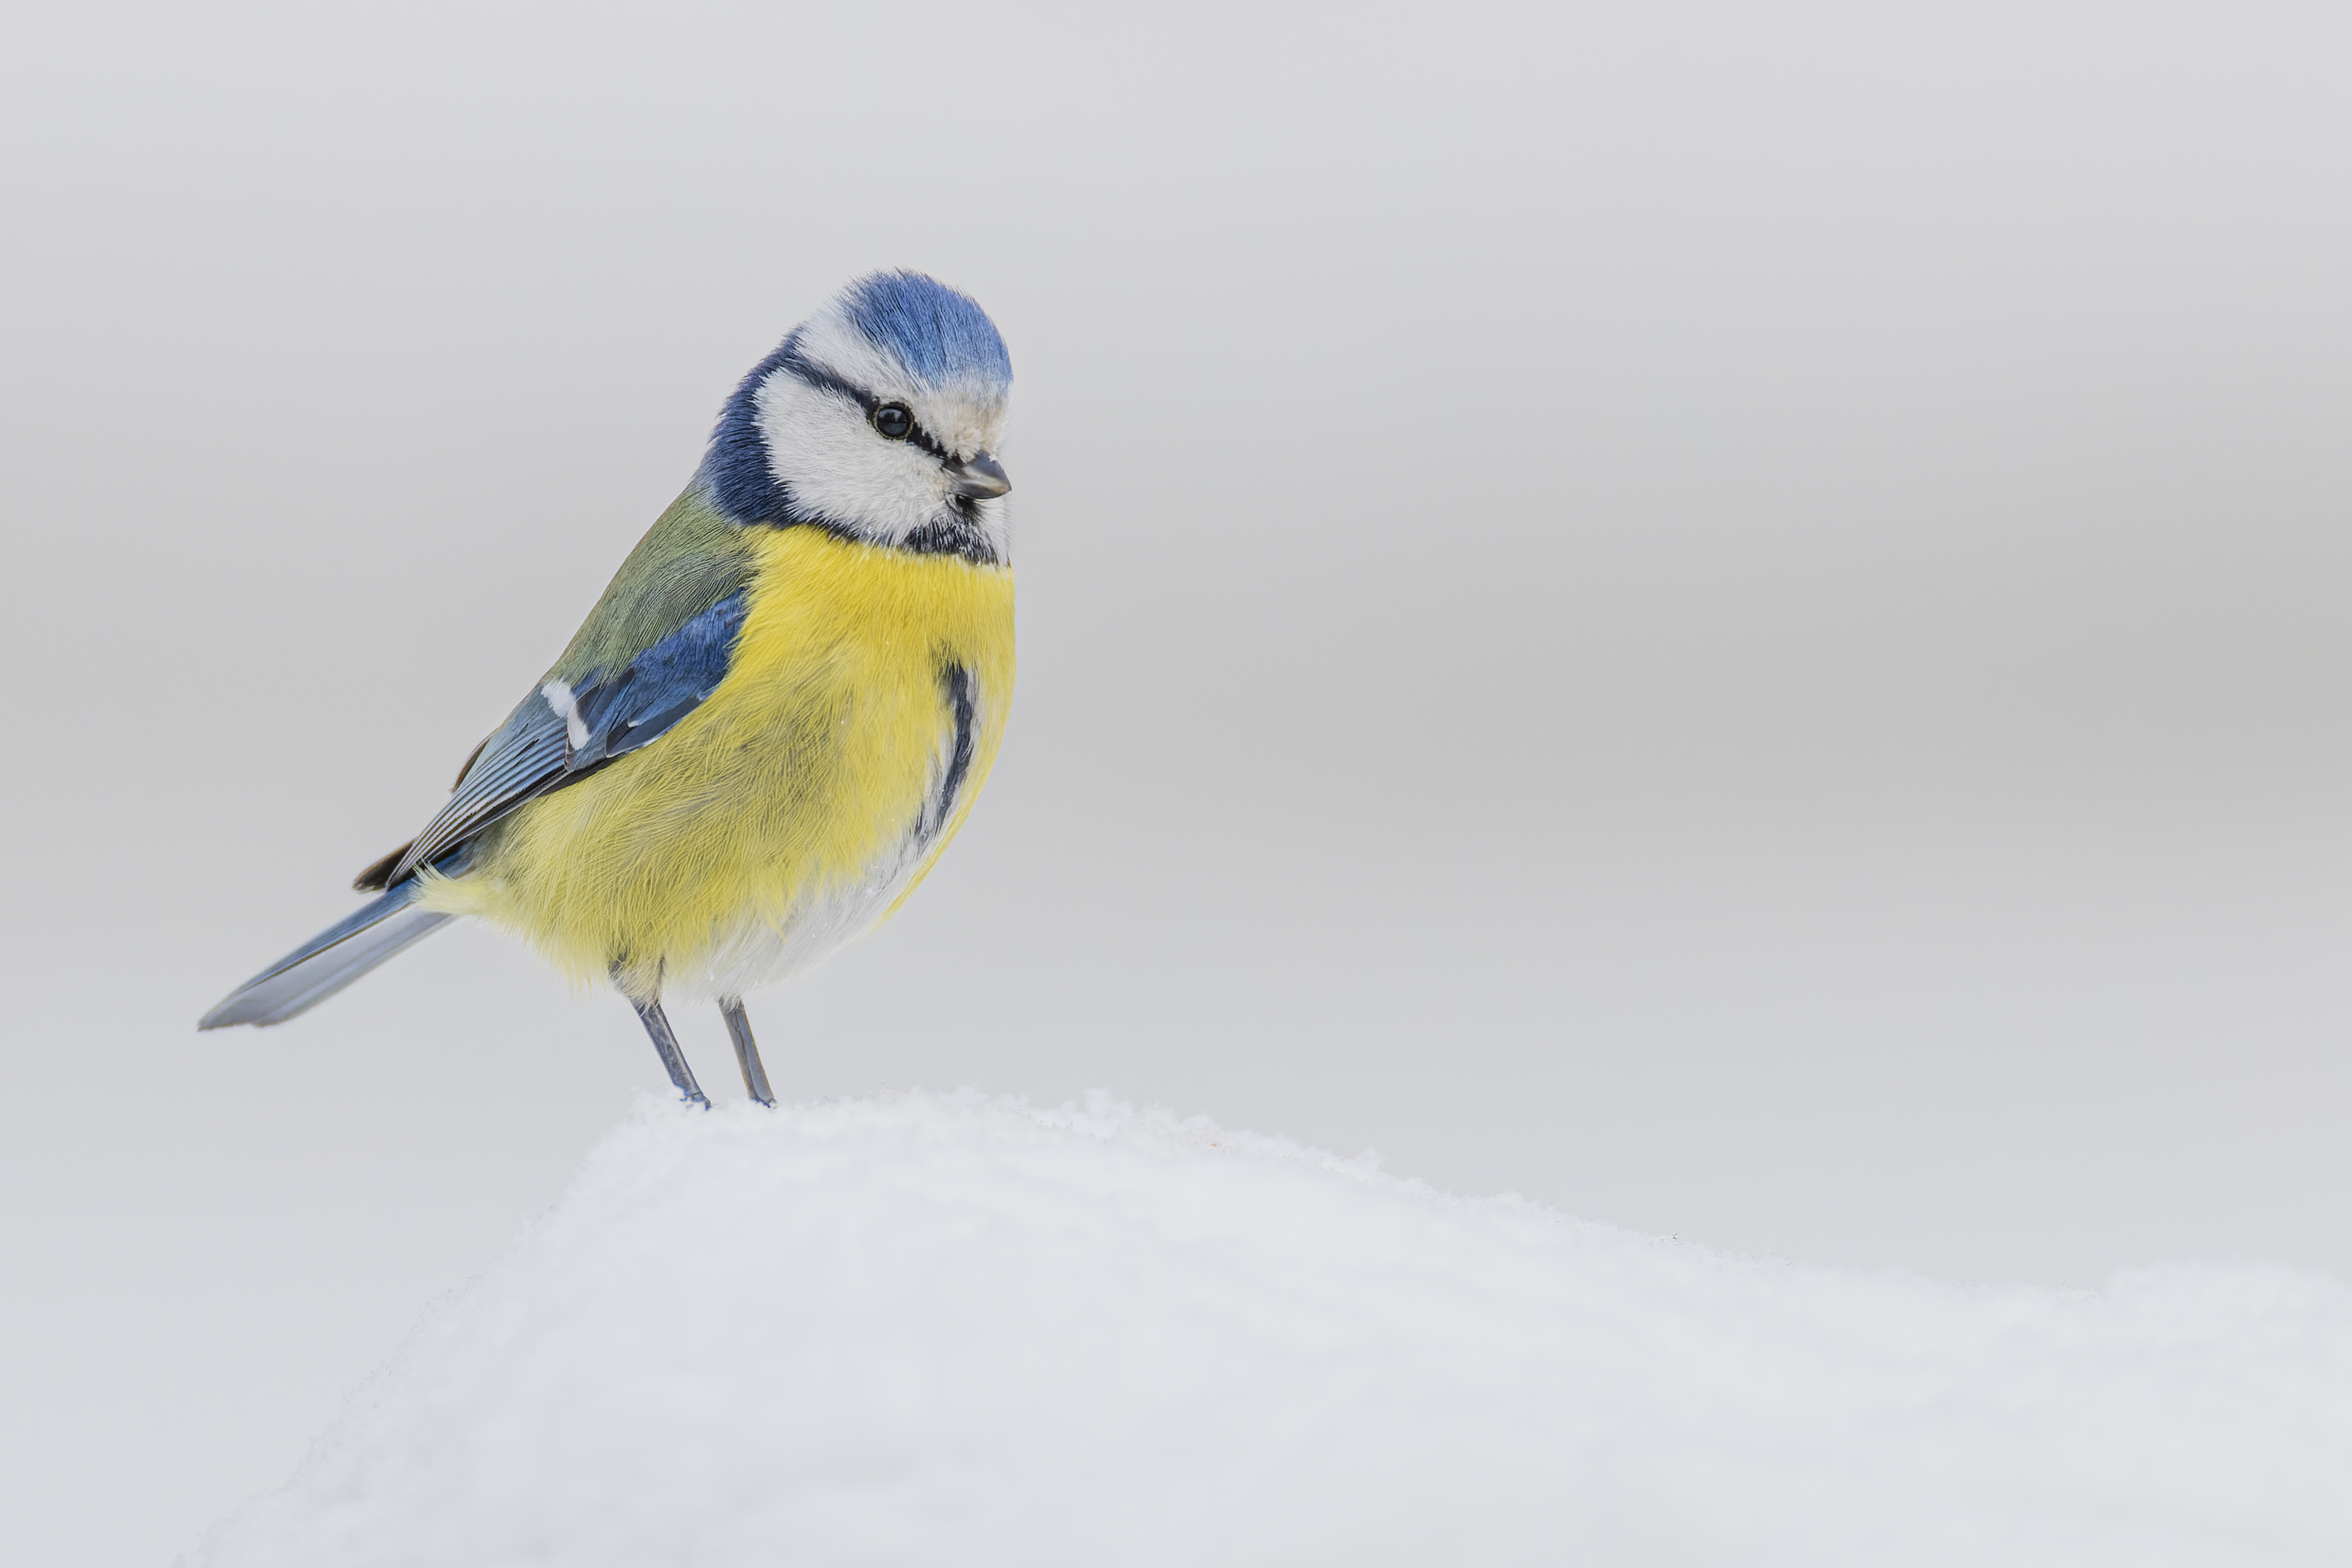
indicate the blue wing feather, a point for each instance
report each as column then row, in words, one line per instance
column 532, row 753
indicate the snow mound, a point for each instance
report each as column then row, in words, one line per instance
column 926, row 1328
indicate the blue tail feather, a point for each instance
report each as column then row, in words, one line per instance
column 330, row 961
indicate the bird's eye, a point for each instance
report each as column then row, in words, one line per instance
column 896, row 421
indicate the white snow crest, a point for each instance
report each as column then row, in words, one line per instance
column 928, row 1329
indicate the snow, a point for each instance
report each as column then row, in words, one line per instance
column 926, row 1327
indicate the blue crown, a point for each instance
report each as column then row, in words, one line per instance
column 939, row 335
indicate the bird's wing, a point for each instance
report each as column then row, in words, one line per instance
column 562, row 733
column 657, row 644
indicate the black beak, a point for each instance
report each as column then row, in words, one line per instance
column 981, row 479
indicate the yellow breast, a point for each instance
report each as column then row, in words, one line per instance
column 796, row 807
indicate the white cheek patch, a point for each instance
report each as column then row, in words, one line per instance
column 567, row 707
column 832, row 464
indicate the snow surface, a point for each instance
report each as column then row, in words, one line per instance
column 930, row 1329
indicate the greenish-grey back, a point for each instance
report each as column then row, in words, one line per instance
column 691, row 557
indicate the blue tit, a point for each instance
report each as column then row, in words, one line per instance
column 776, row 717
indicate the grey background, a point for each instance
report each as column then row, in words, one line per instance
column 1730, row 617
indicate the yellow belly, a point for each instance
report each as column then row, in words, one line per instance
column 787, row 812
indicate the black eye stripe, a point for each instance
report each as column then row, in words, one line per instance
column 826, row 380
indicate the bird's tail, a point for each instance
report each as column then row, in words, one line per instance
column 327, row 962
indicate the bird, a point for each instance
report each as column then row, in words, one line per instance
column 773, row 720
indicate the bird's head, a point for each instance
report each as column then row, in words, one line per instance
column 878, row 419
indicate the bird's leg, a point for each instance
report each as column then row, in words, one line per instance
column 746, row 1049
column 656, row 1024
